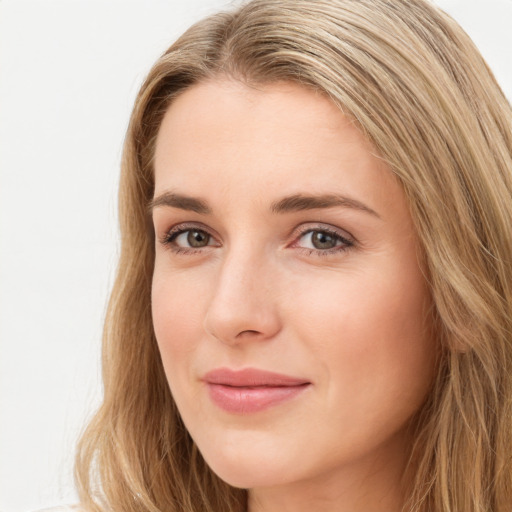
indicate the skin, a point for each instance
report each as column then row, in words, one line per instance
column 261, row 293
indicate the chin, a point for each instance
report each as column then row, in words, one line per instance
column 245, row 468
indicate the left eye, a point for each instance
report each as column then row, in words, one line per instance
column 322, row 240
column 191, row 238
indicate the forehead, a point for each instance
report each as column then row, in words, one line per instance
column 277, row 139
column 223, row 110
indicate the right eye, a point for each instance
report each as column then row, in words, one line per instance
column 191, row 238
column 183, row 239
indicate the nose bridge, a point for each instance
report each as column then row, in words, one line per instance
column 241, row 302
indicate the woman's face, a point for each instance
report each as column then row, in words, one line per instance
column 288, row 302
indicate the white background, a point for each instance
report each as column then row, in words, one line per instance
column 69, row 72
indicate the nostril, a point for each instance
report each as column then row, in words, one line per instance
column 249, row 331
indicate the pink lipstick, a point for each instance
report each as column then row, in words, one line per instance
column 251, row 390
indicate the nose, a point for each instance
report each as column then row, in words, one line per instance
column 244, row 302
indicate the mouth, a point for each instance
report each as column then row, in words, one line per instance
column 251, row 390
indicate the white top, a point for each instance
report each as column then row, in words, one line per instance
column 61, row 508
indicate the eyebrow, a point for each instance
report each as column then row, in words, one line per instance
column 299, row 202
column 173, row 200
column 293, row 203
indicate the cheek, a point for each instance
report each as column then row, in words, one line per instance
column 177, row 316
column 177, row 312
column 370, row 332
column 361, row 308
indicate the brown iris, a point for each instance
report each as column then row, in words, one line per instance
column 323, row 240
column 196, row 238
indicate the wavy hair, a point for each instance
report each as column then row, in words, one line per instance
column 419, row 90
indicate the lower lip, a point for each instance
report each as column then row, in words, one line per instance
column 243, row 400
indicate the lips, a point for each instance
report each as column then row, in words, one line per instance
column 251, row 390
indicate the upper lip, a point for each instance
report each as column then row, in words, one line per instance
column 251, row 377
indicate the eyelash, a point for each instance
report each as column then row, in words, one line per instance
column 169, row 240
column 347, row 243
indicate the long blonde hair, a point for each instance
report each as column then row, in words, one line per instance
column 420, row 91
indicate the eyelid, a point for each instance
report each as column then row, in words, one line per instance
column 346, row 239
column 183, row 227
column 318, row 226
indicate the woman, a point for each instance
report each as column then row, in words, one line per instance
column 313, row 308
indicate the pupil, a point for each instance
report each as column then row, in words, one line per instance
column 323, row 240
column 197, row 239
